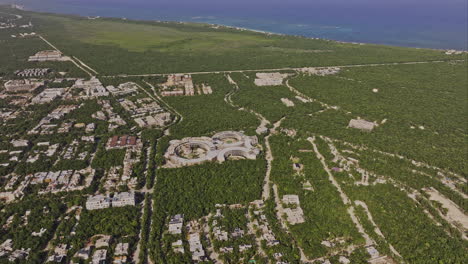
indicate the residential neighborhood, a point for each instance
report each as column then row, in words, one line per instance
column 159, row 142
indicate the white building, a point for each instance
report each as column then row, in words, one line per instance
column 83, row 253
column 93, row 87
column 104, row 241
column 123, row 199
column 176, row 224
column 123, row 89
column 178, row 247
column 20, row 143
column 98, row 202
column 361, row 124
column 99, row 256
column 47, row 55
column 196, row 247
column 295, row 215
column 270, row 78
column 48, row 95
column 22, row 85
column 121, row 249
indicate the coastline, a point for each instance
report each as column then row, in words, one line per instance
column 241, row 28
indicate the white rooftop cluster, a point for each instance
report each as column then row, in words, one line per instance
column 43, row 127
column 146, row 112
column 262, row 223
column 295, row 215
column 93, row 87
column 6, row 249
column 27, row 85
column 195, row 245
column 321, row 71
column 59, row 254
column 119, row 200
column 66, row 180
column 48, row 95
column 270, row 79
column 123, row 89
column 48, row 55
column 36, row 72
column 177, row 85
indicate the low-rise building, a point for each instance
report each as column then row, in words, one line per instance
column 295, row 214
column 6, row 247
column 361, row 124
column 237, row 233
column 123, row 89
column 20, row 143
column 270, row 78
column 244, row 247
column 48, row 95
column 99, row 256
column 176, row 224
column 121, row 249
column 118, row 142
column 90, row 128
column 178, row 247
column 123, row 199
column 36, row 72
column 156, row 120
column 120, row 260
column 19, row 254
column 22, row 85
column 93, row 87
column 98, row 202
column 83, row 253
column 47, row 55
column 196, row 247
column 60, row 253
column 103, row 241
column 226, row 250
column 176, row 92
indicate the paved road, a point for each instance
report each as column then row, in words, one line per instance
column 284, row 69
column 70, row 59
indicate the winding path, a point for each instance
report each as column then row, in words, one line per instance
column 344, row 197
column 228, row 99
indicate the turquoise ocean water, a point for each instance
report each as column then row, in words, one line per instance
column 413, row 23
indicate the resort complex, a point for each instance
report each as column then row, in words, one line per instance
column 220, row 147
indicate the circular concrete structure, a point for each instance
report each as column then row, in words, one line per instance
column 229, row 139
column 224, row 154
column 184, row 150
column 192, row 151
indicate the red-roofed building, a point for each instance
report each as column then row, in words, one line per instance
column 122, row 142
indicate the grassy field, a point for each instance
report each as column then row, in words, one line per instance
column 136, row 47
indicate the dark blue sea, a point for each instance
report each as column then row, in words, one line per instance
column 440, row 24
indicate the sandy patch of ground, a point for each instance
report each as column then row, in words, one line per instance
column 287, row 102
column 454, row 215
